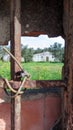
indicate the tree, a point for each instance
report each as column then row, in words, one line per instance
column 27, row 53
column 38, row 50
column 57, row 51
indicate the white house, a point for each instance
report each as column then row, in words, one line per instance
column 7, row 58
column 44, row 56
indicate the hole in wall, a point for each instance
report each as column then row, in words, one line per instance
column 41, row 56
column 4, row 63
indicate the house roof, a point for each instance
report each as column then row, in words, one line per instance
column 43, row 53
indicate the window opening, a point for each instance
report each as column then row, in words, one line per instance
column 4, row 63
column 41, row 56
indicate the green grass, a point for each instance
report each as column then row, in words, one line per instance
column 38, row 71
column 44, row 71
column 5, row 69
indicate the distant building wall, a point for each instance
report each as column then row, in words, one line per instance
column 44, row 56
column 7, row 58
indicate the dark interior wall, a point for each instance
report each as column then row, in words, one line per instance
column 44, row 16
column 4, row 8
column 4, row 21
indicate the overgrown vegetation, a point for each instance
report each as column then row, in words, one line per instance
column 27, row 53
column 38, row 71
column 56, row 49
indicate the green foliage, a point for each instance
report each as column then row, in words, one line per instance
column 5, row 69
column 38, row 71
column 38, row 50
column 27, row 53
column 57, row 51
column 44, row 71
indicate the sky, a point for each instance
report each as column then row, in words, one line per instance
column 42, row 41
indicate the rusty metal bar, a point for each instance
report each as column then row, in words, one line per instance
column 44, row 83
column 38, row 83
column 15, row 33
column 68, row 18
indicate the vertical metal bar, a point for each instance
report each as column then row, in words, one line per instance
column 15, row 35
column 69, row 60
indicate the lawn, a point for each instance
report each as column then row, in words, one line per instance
column 38, row 71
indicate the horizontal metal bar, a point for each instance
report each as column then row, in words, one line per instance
column 36, row 83
column 44, row 83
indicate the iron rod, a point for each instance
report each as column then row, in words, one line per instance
column 15, row 36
